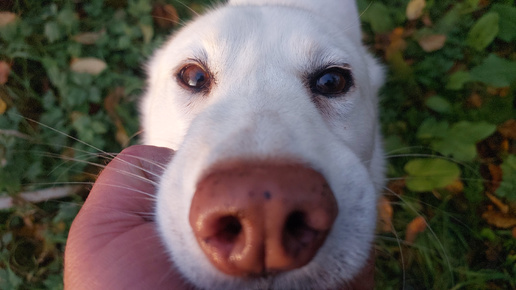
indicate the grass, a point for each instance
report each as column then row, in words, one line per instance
column 448, row 115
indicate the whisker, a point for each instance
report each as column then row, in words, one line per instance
column 152, row 196
column 104, row 153
column 187, row 7
column 440, row 244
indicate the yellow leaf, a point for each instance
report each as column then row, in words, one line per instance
column 3, row 106
column 414, row 228
column 6, row 18
column 456, row 187
column 432, row 42
column 415, row 9
column 396, row 43
column 89, row 65
column 498, row 219
column 385, row 212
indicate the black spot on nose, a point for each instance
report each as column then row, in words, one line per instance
column 267, row 195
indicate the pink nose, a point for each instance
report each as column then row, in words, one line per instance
column 260, row 219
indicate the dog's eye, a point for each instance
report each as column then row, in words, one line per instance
column 194, row 77
column 332, row 81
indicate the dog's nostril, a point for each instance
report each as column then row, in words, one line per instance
column 227, row 229
column 297, row 234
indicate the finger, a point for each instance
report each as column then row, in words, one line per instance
column 113, row 227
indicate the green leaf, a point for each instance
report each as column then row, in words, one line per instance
column 9, row 280
column 431, row 128
column 67, row 17
column 507, row 22
column 495, row 71
column 467, row 6
column 379, row 17
column 137, row 8
column 460, row 140
column 438, row 104
column 484, row 31
column 507, row 188
column 67, row 212
column 429, row 174
column 52, row 31
column 147, row 32
column 457, row 80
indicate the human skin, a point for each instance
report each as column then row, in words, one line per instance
column 113, row 242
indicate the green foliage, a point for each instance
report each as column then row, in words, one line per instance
column 378, row 15
column 458, row 140
column 495, row 71
column 484, row 31
column 429, row 174
column 438, row 106
column 442, row 111
column 507, row 21
column 56, row 119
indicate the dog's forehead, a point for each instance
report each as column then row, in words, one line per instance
column 284, row 36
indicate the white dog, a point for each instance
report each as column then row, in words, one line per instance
column 268, row 97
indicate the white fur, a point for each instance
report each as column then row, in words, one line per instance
column 260, row 107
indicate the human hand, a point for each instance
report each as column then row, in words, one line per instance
column 113, row 242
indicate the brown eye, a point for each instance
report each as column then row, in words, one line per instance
column 332, row 81
column 194, row 77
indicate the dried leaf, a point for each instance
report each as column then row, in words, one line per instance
column 427, row 21
column 499, row 219
column 397, row 187
column 110, row 104
column 385, row 213
column 121, row 134
column 165, row 15
column 499, row 204
column 414, row 228
column 475, row 101
column 112, row 100
column 456, row 186
column 415, row 9
column 496, row 175
column 88, row 37
column 6, row 18
column 5, row 70
column 396, row 43
column 89, row 65
column 432, row 42
column 508, row 129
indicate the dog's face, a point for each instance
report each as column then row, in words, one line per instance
column 259, row 82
